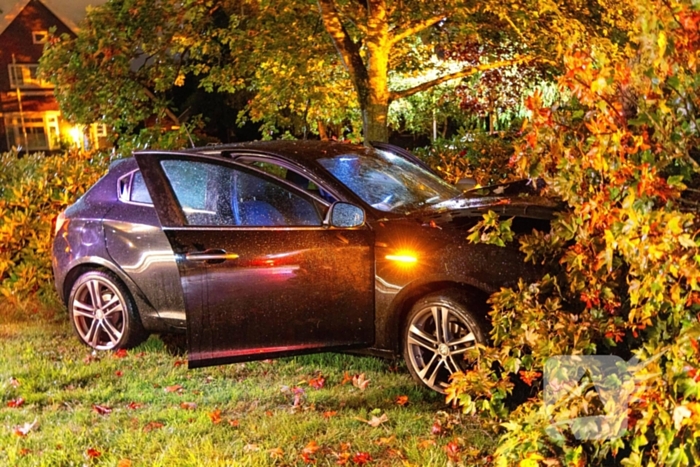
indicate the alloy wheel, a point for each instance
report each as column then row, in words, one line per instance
column 437, row 339
column 99, row 313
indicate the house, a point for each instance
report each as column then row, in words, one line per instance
column 30, row 118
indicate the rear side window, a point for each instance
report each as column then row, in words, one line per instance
column 139, row 192
column 132, row 189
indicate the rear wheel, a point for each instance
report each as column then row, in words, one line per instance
column 103, row 314
column 438, row 331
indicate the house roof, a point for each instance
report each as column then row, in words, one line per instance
column 69, row 12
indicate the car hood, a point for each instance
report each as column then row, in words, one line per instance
column 520, row 198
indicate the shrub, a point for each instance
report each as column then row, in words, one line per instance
column 623, row 259
column 480, row 156
column 34, row 189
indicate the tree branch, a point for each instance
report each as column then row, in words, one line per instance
column 416, row 28
column 459, row 74
column 346, row 47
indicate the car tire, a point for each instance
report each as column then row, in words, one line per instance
column 432, row 353
column 103, row 313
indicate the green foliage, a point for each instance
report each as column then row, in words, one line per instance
column 623, row 257
column 480, row 156
column 492, row 230
column 34, row 189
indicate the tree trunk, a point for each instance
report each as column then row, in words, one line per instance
column 374, row 124
column 376, row 106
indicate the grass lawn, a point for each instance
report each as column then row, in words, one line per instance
column 61, row 405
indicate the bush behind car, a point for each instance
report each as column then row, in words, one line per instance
column 34, row 188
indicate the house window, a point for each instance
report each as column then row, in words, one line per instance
column 41, row 131
column 40, row 37
column 25, row 76
column 100, row 130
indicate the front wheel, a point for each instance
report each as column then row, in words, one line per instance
column 438, row 331
column 103, row 314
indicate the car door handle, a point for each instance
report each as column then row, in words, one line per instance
column 212, row 256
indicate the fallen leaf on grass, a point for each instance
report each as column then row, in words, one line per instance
column 121, row 353
column 346, row 378
column 215, row 416
column 118, row 374
column 24, row 429
column 342, row 458
column 134, row 405
column 251, row 447
column 317, row 383
column 93, row 453
column 188, row 405
column 452, row 450
column 385, row 441
column 150, row 426
column 375, row 421
column 101, row 409
column 14, row 403
column 360, row 382
column 436, row 428
column 426, row 443
column 234, row 423
column 330, row 413
column 276, row 453
column 179, row 363
column 173, row 388
column 124, row 463
column 308, row 452
column 402, row 400
column 361, row 458
column 24, row 452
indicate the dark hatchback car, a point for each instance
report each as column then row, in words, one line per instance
column 262, row 250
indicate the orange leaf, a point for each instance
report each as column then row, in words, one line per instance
column 188, row 405
column 330, row 413
column 93, row 453
column 121, row 353
column 361, row 458
column 215, row 416
column 452, row 450
column 124, row 463
column 308, row 452
column 150, row 426
column 173, row 388
column 15, row 402
column 402, row 400
column 134, row 405
column 317, row 383
column 234, row 423
column 346, row 378
column 426, row 443
column 276, row 453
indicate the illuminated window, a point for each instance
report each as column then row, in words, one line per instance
column 40, row 131
column 25, row 76
column 40, row 37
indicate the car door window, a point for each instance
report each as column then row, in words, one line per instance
column 291, row 176
column 211, row 194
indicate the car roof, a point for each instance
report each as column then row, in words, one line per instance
column 305, row 152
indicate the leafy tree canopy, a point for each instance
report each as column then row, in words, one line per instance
column 306, row 64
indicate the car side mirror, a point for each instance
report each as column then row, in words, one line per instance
column 346, row 215
column 465, row 184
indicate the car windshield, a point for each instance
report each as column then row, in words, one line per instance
column 388, row 182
